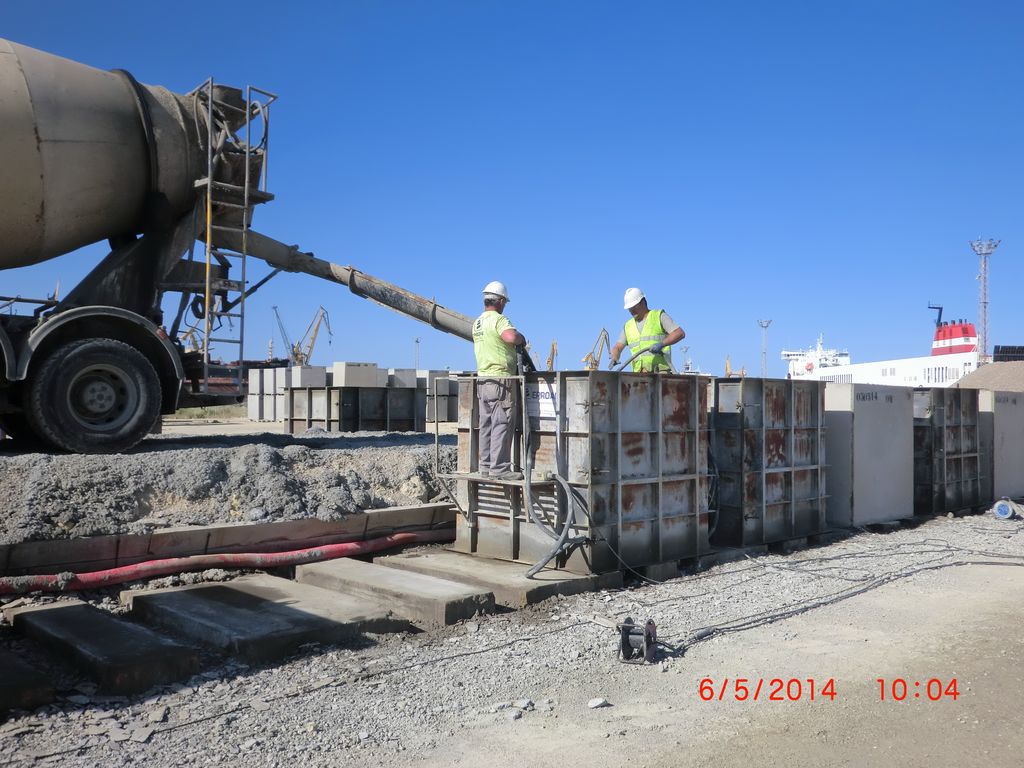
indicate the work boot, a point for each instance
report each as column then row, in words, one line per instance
column 507, row 475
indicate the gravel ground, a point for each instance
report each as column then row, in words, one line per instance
column 427, row 699
column 201, row 480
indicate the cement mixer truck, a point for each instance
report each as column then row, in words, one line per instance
column 170, row 181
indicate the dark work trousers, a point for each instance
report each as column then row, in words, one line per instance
column 498, row 414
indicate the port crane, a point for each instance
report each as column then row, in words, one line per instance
column 301, row 352
column 592, row 360
column 553, row 355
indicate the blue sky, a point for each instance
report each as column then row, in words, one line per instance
column 823, row 164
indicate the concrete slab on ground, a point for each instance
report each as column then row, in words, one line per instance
column 262, row 618
column 427, row 601
column 22, row 686
column 123, row 657
column 505, row 579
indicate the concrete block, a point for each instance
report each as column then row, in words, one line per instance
column 425, row 378
column 1001, row 434
column 262, row 618
column 869, row 444
column 255, row 381
column 402, row 378
column 282, row 380
column 254, row 407
column 121, row 656
column 269, row 385
column 22, row 686
column 354, row 374
column 437, row 408
column 506, row 580
column 269, row 411
column 427, row 601
column 309, row 376
column 383, row 377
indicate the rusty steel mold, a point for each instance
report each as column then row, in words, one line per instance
column 634, row 446
column 768, row 440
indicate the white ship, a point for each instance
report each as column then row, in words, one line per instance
column 954, row 355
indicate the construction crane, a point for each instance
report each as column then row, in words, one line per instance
column 552, row 355
column 592, row 360
column 301, row 352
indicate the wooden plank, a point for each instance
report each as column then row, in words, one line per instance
column 101, row 552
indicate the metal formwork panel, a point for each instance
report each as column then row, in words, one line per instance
column 401, row 410
column 769, row 450
column 947, row 459
column 869, row 440
column 633, row 446
column 373, row 409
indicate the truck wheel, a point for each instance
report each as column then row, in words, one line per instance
column 94, row 396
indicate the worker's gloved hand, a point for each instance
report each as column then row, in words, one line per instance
column 612, row 363
column 656, row 347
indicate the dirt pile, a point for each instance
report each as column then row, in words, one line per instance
column 176, row 481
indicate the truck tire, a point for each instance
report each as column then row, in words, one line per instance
column 94, row 396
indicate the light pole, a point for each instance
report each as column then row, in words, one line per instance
column 984, row 249
column 764, row 347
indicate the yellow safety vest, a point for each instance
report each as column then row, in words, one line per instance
column 641, row 339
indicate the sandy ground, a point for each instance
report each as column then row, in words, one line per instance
column 964, row 625
column 202, row 427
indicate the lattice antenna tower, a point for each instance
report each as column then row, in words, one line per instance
column 984, row 249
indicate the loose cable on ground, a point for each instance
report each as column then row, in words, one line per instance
column 740, row 624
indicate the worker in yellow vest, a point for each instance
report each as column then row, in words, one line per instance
column 651, row 330
column 494, row 343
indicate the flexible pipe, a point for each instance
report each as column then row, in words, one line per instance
column 562, row 541
column 66, row 582
column 643, row 351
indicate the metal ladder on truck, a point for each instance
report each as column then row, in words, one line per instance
column 228, row 208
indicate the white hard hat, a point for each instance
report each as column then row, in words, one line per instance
column 497, row 288
column 633, row 297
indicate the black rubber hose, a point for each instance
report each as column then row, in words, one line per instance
column 562, row 542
